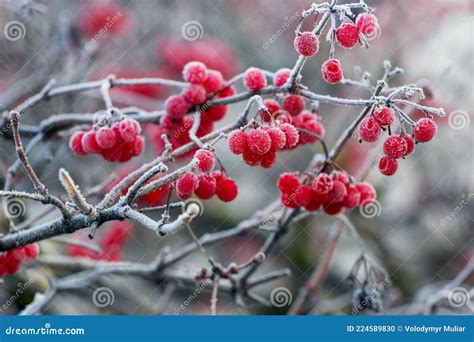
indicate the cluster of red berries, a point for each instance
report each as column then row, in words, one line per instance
column 330, row 192
column 209, row 183
column 396, row 146
column 118, row 143
column 11, row 261
column 111, row 244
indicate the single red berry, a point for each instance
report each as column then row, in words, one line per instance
column 425, row 130
column 306, row 116
column 313, row 204
column 227, row 91
column 395, row 147
column 384, row 116
column 307, row 44
column 129, row 129
column 303, row 195
column 315, row 127
column 410, row 144
column 138, row 146
column 237, row 142
column 352, row 198
column 216, row 113
column 259, row 141
column 367, row 193
column 340, row 176
column 277, row 137
column 194, row 94
column 293, row 104
column 252, row 159
column 89, row 143
column 347, row 35
column 176, row 107
column 227, row 189
column 105, row 137
column 333, row 208
column 288, row 182
column 206, row 160
column 169, row 123
column 195, row 72
column 75, row 143
column 292, row 136
column 254, row 79
column 332, row 71
column 323, row 183
column 31, row 251
column 281, row 77
column 186, row 185
column 338, row 192
column 369, row 130
column 272, row 107
column 214, row 81
column 207, row 187
column 288, row 200
column 387, row 166
column 367, row 24
column 269, row 159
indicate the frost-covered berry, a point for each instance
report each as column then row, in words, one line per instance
column 313, row 126
column 227, row 189
column 291, row 133
column 205, row 160
column 272, row 107
column 367, row 193
column 89, row 143
column 268, row 160
column 369, row 130
column 176, row 107
column 303, row 195
column 259, row 141
column 425, row 130
column 337, row 193
column 332, row 71
column 293, row 104
column 138, row 146
column 347, row 35
column 410, row 144
column 384, row 116
column 227, row 91
column 214, row 81
column 277, row 137
column 216, row 113
column 288, row 182
column 105, row 137
column 323, row 183
column 367, row 24
column 352, row 198
column 194, row 94
column 307, row 44
column 251, row 159
column 333, row 208
column 340, row 176
column 195, row 72
column 387, row 166
column 186, row 185
column 281, row 77
column 75, row 143
column 254, row 79
column 237, row 142
column 207, row 187
column 129, row 129
column 395, row 147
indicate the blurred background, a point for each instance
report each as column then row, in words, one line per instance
column 423, row 230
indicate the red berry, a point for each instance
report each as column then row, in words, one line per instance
column 206, row 160
column 367, row 193
column 387, row 166
column 116, row 235
column 395, row 147
column 337, row 193
column 237, row 142
column 277, row 137
column 254, row 79
column 332, row 71
column 333, row 208
column 272, row 107
column 176, row 107
column 410, row 144
column 216, row 113
column 194, row 72
column 269, row 159
column 323, row 183
column 214, row 81
column 281, row 77
column 252, row 159
column 169, row 123
column 227, row 91
column 314, row 204
column 369, row 130
column 293, row 104
column 292, row 136
column 129, row 129
column 313, row 126
column 352, row 198
column 425, row 130
column 75, row 143
column 186, row 185
column 288, row 200
column 367, row 24
column 89, row 143
column 307, row 44
column 207, row 187
column 194, row 94
column 288, row 182
column 31, row 251
column 384, row 116
column 303, row 195
column 340, row 176
column 138, row 146
column 259, row 141
column 227, row 189
column 105, row 137
column 347, row 35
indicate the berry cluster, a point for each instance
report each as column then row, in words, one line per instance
column 118, row 143
column 395, row 146
column 111, row 244
column 11, row 261
column 330, row 192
